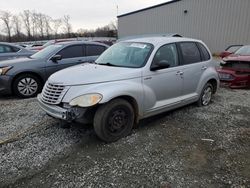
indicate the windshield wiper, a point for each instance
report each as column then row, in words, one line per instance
column 108, row 64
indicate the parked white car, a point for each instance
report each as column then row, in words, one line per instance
column 131, row 80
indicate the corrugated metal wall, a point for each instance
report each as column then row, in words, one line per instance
column 219, row 23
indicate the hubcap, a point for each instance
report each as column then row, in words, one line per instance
column 207, row 95
column 117, row 121
column 27, row 86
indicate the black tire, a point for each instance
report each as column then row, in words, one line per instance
column 114, row 120
column 202, row 101
column 33, row 90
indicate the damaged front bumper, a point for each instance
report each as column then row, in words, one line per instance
column 57, row 111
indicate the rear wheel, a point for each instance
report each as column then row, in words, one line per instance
column 206, row 95
column 114, row 120
column 27, row 85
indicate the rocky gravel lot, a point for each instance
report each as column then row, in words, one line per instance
column 188, row 147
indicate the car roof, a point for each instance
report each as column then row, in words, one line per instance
column 65, row 43
column 162, row 40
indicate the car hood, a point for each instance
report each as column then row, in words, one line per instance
column 93, row 73
column 13, row 62
column 235, row 57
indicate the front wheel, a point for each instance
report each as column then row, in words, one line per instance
column 206, row 95
column 27, row 85
column 114, row 120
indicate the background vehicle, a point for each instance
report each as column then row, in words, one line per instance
column 11, row 51
column 235, row 71
column 230, row 50
column 132, row 80
column 26, row 76
column 50, row 42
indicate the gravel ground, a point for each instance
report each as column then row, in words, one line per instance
column 188, row 147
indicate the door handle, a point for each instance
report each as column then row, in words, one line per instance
column 204, row 68
column 179, row 73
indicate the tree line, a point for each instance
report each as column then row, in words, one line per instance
column 31, row 25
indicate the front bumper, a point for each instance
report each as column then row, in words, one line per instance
column 5, row 84
column 55, row 111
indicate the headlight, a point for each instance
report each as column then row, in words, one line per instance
column 4, row 70
column 86, row 100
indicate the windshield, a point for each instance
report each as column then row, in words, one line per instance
column 245, row 50
column 49, row 43
column 44, row 53
column 126, row 54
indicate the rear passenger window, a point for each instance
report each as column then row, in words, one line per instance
column 205, row 54
column 94, row 50
column 71, row 52
column 190, row 53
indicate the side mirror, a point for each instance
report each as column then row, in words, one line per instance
column 163, row 64
column 56, row 58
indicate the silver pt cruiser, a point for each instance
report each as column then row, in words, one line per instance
column 132, row 80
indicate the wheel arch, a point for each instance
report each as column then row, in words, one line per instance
column 213, row 81
column 131, row 100
column 27, row 72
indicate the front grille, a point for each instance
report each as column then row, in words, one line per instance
column 53, row 94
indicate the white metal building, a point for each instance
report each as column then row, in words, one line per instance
column 219, row 23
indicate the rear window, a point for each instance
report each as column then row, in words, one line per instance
column 204, row 53
column 190, row 52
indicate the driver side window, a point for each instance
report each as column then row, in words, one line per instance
column 167, row 53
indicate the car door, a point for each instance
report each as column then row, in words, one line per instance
column 163, row 87
column 8, row 52
column 192, row 66
column 71, row 55
column 93, row 51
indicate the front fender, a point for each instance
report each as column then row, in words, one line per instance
column 110, row 90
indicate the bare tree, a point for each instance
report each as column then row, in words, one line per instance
column 26, row 16
column 17, row 25
column 67, row 25
column 56, row 24
column 40, row 21
column 34, row 23
column 6, row 16
column 113, row 25
column 47, row 23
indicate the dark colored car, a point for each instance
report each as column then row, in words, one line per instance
column 230, row 50
column 50, row 42
column 26, row 76
column 235, row 70
column 12, row 51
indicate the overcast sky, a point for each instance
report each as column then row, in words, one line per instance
column 87, row 14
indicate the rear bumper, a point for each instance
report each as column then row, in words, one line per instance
column 5, row 84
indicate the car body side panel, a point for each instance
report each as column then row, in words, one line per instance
column 209, row 73
column 110, row 90
column 192, row 74
column 162, row 88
